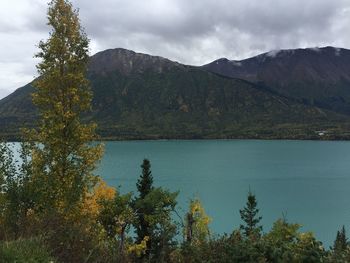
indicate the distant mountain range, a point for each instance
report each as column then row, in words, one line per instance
column 316, row 76
column 302, row 93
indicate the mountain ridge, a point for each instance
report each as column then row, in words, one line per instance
column 319, row 76
column 128, row 61
column 139, row 96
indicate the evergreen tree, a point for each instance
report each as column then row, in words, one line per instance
column 144, row 186
column 153, row 223
column 249, row 214
column 145, row 183
column 341, row 241
column 156, row 210
column 63, row 159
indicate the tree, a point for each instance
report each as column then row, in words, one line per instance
column 144, row 186
column 284, row 243
column 16, row 193
column 145, row 183
column 340, row 248
column 197, row 221
column 341, row 241
column 157, row 208
column 249, row 214
column 7, row 173
column 64, row 158
column 116, row 217
column 153, row 208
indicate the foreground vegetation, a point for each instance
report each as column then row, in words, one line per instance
column 146, row 227
column 53, row 208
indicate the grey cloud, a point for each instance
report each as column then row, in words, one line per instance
column 191, row 32
column 238, row 28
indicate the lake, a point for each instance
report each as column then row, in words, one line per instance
column 308, row 182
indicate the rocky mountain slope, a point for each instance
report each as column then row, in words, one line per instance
column 315, row 76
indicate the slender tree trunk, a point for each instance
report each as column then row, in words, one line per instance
column 122, row 240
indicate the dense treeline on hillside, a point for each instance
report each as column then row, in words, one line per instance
column 53, row 208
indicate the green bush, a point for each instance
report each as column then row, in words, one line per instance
column 24, row 251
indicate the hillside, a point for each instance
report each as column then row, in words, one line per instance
column 315, row 76
column 138, row 96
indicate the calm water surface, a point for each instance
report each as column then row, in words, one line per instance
column 308, row 182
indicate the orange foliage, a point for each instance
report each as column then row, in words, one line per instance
column 100, row 192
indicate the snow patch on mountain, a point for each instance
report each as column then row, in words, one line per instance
column 236, row 63
column 337, row 51
column 316, row 49
column 273, row 53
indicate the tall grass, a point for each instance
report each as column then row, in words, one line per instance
column 32, row 250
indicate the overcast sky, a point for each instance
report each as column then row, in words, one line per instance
column 188, row 31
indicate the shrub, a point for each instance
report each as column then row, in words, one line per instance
column 25, row 251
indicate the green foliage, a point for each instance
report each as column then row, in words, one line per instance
column 153, row 208
column 107, row 240
column 286, row 244
column 341, row 241
column 30, row 250
column 145, row 182
column 64, row 160
column 16, row 193
column 159, row 205
column 341, row 249
column 7, row 173
column 72, row 239
column 283, row 244
column 249, row 215
column 116, row 214
column 116, row 217
column 144, row 186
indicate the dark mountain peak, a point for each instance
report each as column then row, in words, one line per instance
column 317, row 75
column 300, row 52
column 220, row 60
column 276, row 53
column 128, row 62
column 224, row 61
column 321, row 59
column 327, row 50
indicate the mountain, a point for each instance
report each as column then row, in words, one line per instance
column 314, row 76
column 138, row 96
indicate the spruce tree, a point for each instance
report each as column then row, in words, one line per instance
column 145, row 183
column 144, row 186
column 341, row 241
column 249, row 214
column 153, row 208
column 64, row 158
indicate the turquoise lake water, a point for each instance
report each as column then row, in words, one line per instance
column 308, row 182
